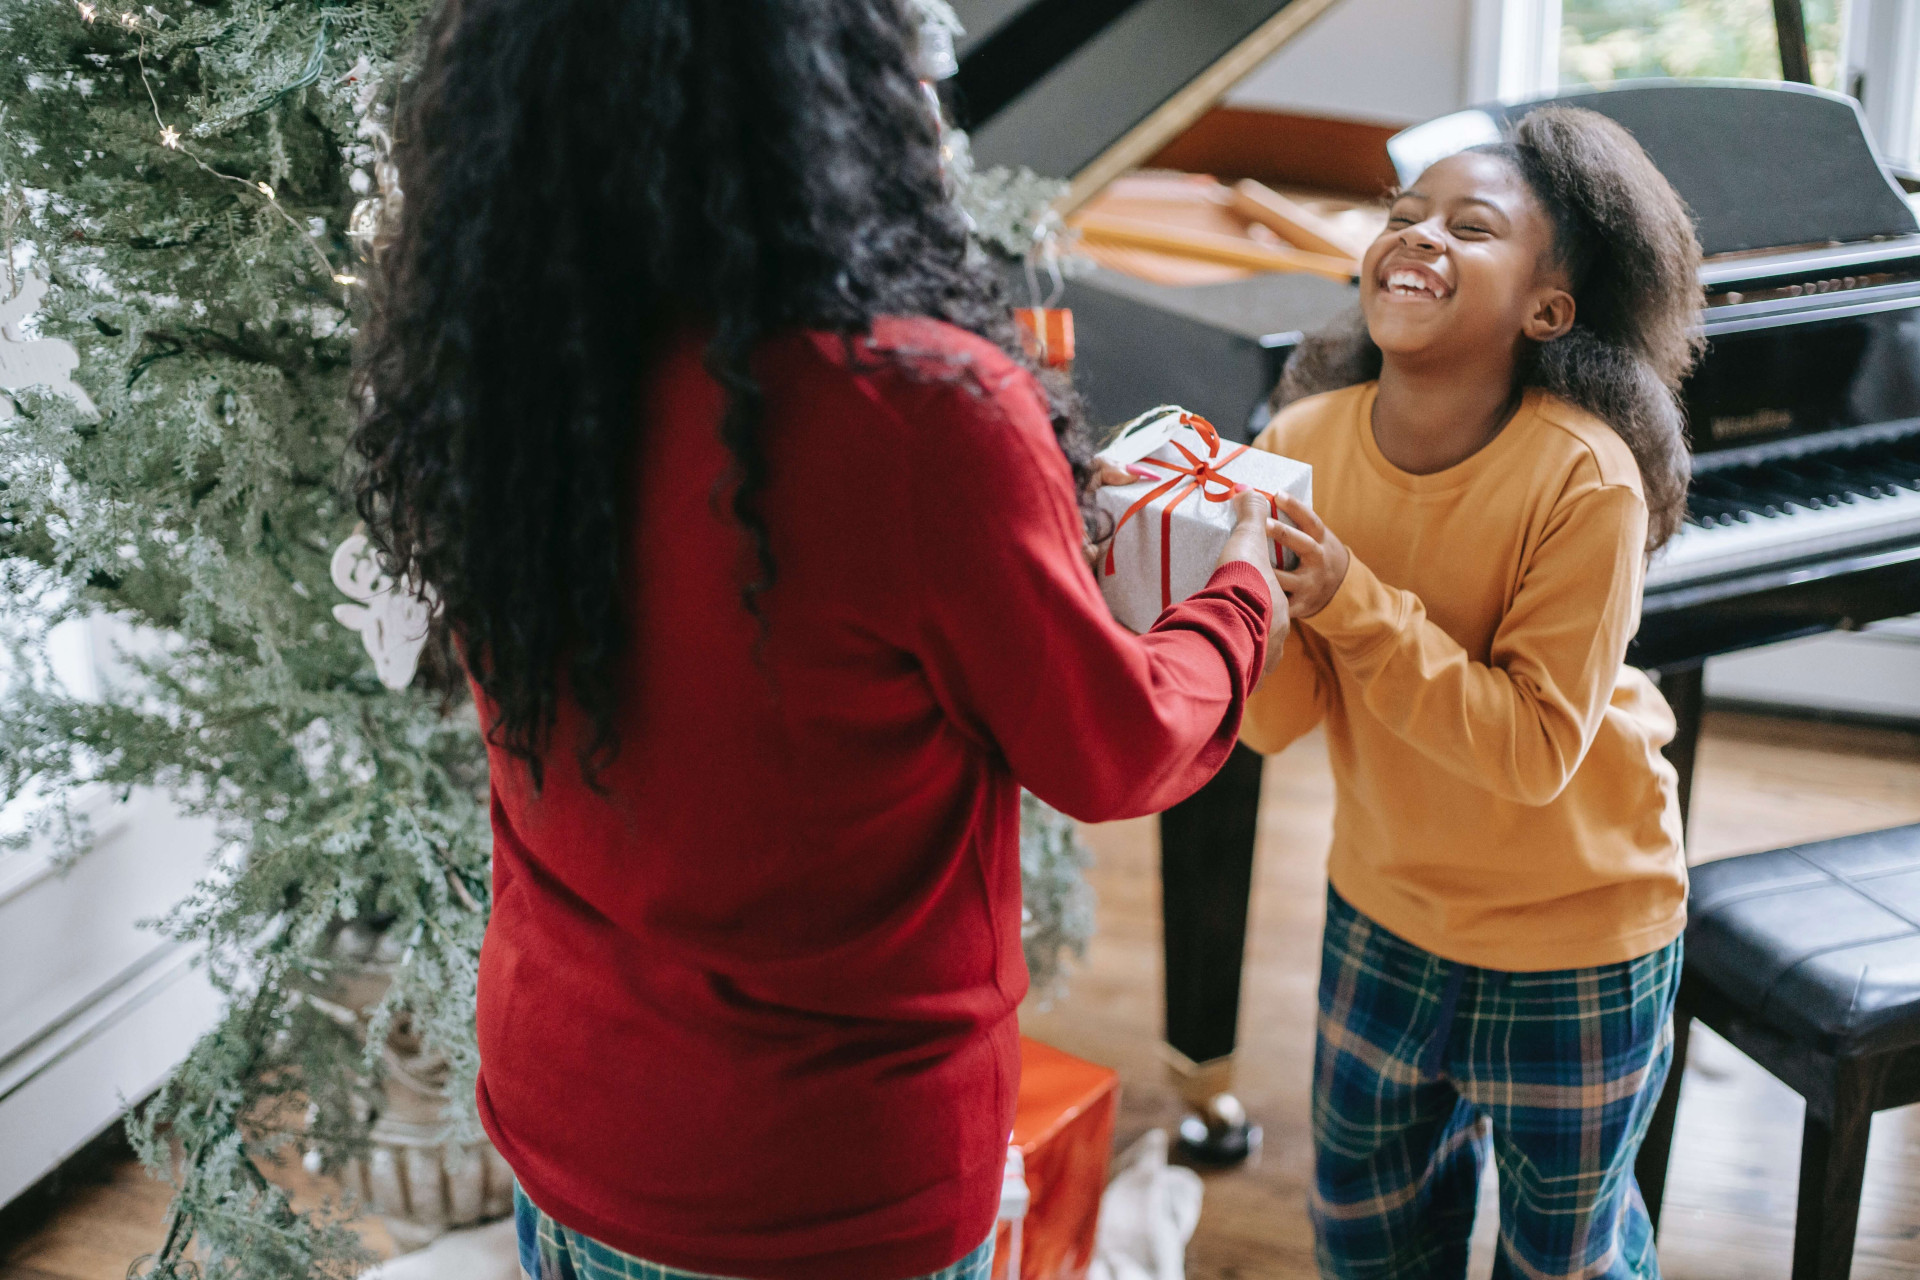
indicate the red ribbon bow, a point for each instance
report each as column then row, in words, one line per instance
column 1201, row 476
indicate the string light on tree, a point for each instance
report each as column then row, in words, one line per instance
column 170, row 138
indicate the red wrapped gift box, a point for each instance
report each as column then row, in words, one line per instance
column 1063, row 1125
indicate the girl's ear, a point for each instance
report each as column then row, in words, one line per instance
column 1551, row 318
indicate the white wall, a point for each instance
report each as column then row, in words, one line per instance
column 95, row 1008
column 1875, row 672
column 1386, row 61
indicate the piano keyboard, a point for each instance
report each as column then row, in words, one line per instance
column 1757, row 513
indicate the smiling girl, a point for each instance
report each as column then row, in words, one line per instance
column 1502, row 452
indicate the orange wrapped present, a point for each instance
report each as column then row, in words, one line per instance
column 1063, row 1128
column 1048, row 333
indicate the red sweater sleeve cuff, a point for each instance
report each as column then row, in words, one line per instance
column 1240, row 631
column 1238, row 573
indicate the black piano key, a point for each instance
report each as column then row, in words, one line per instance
column 1840, row 480
column 1814, row 483
column 1892, row 477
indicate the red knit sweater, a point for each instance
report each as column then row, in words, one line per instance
column 750, row 1010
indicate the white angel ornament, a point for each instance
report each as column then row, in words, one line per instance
column 392, row 620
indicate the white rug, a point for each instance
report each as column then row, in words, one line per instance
column 477, row 1253
column 1147, row 1215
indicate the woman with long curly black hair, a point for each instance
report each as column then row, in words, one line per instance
column 762, row 547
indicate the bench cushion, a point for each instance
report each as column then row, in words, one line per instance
column 1822, row 941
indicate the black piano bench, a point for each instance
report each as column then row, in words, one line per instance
column 1808, row 960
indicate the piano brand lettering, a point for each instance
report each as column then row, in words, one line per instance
column 1744, row 426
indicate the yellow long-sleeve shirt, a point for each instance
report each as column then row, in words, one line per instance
column 1501, row 796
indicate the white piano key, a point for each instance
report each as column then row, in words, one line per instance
column 1697, row 553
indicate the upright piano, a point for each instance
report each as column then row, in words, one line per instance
column 1804, row 416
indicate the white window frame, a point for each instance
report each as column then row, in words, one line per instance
column 1882, row 68
column 1513, row 50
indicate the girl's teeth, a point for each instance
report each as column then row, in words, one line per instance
column 1406, row 282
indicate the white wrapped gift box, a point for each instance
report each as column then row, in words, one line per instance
column 1169, row 528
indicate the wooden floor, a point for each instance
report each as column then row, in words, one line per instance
column 1762, row 782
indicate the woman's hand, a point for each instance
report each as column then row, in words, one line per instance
column 1323, row 559
column 1104, row 474
column 1251, row 542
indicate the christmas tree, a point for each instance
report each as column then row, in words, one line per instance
column 196, row 185
column 186, row 182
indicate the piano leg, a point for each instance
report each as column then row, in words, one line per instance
column 1685, row 691
column 1206, row 877
column 1684, row 688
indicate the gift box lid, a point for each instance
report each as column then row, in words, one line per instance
column 1139, row 439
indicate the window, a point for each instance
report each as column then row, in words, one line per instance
column 1868, row 49
column 1602, row 41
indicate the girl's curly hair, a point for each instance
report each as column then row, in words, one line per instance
column 582, row 178
column 1627, row 243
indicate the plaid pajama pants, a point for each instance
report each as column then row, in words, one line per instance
column 549, row 1251
column 1421, row 1065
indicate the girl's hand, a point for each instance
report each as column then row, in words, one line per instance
column 1323, row 559
column 1251, row 542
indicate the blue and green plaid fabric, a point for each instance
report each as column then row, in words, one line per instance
column 549, row 1251
column 1422, row 1064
